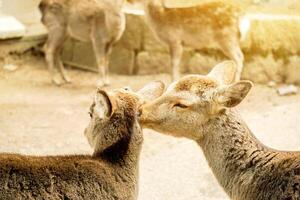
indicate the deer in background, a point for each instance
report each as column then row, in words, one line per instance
column 208, row 24
column 199, row 108
column 110, row 173
column 101, row 22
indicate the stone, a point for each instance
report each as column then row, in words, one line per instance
column 10, row 67
column 122, row 61
column 201, row 63
column 261, row 69
column 159, row 62
column 153, row 63
column 68, row 50
column 272, row 84
column 287, row 90
column 83, row 56
column 292, row 71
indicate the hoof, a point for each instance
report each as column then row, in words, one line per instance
column 102, row 83
column 57, row 81
column 107, row 83
column 67, row 79
column 175, row 78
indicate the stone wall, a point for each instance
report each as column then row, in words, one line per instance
column 271, row 51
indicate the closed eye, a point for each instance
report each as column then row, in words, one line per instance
column 180, row 105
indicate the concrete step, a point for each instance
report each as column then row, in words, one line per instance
column 10, row 27
column 34, row 36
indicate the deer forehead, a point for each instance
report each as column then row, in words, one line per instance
column 128, row 98
column 194, row 84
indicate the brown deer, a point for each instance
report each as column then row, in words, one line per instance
column 110, row 173
column 100, row 22
column 209, row 24
column 199, row 108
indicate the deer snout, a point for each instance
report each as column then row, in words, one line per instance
column 143, row 115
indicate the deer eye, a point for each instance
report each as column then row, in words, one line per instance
column 180, row 105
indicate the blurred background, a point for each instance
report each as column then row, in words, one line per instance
column 39, row 118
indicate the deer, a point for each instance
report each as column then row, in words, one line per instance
column 110, row 173
column 216, row 24
column 100, row 22
column 201, row 108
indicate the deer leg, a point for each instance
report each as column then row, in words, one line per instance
column 106, row 65
column 52, row 50
column 176, row 51
column 62, row 68
column 100, row 54
column 234, row 52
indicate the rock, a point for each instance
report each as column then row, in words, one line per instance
column 10, row 67
column 287, row 90
column 272, row 84
column 153, row 63
column 68, row 50
column 83, row 55
column 201, row 63
column 263, row 69
column 292, row 71
column 122, row 61
column 159, row 62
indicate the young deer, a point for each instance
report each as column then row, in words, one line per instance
column 199, row 107
column 101, row 22
column 110, row 174
column 205, row 25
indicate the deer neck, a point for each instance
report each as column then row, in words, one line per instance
column 233, row 152
column 124, row 155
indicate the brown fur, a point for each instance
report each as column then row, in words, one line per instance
column 244, row 167
column 210, row 24
column 100, row 22
column 61, row 177
column 110, row 174
column 191, row 82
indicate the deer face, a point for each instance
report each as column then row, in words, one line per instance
column 114, row 115
column 193, row 100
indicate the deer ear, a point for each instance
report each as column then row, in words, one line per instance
column 232, row 95
column 224, row 72
column 151, row 91
column 104, row 104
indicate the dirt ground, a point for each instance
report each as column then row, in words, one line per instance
column 41, row 119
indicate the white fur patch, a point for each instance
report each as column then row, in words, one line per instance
column 101, row 106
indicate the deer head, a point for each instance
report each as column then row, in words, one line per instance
column 189, row 103
column 114, row 115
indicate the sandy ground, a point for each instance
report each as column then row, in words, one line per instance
column 41, row 119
